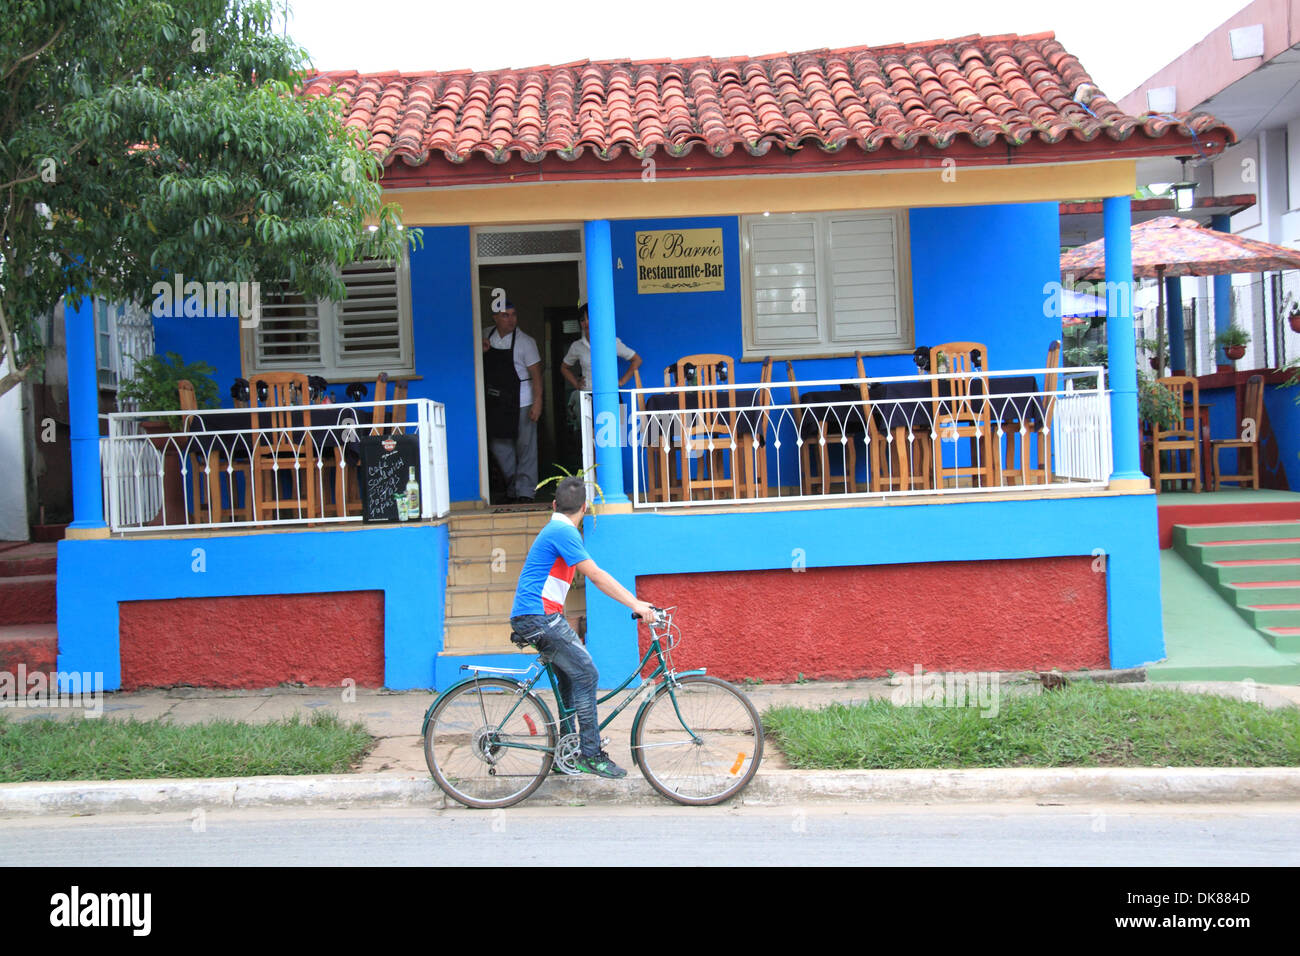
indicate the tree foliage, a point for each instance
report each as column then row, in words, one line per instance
column 142, row 139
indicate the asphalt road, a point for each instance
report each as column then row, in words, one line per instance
column 815, row 834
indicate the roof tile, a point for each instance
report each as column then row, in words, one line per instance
column 983, row 90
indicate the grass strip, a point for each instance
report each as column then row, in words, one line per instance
column 1082, row 725
column 104, row 749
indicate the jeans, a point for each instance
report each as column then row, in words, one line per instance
column 574, row 668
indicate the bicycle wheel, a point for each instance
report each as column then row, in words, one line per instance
column 487, row 746
column 698, row 743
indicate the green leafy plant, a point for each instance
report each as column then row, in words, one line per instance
column 1157, row 404
column 1232, row 335
column 153, row 387
column 579, row 473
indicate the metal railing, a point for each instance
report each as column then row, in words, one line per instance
column 945, row 434
column 223, row 468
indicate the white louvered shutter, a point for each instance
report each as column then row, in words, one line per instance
column 369, row 330
column 288, row 335
column 783, row 281
column 864, row 278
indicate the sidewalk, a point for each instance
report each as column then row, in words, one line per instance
column 394, row 773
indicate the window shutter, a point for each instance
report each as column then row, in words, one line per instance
column 864, row 280
column 783, row 281
column 288, row 335
column 368, row 329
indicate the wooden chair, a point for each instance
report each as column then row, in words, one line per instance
column 207, row 467
column 1018, row 469
column 899, row 465
column 821, row 427
column 1181, row 438
column 707, row 433
column 753, row 446
column 1251, row 423
column 660, row 455
column 283, row 451
column 963, row 413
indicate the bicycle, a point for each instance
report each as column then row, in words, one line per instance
column 490, row 741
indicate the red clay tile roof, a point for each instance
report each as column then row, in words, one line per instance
column 986, row 91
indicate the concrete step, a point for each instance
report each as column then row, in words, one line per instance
column 35, row 646
column 1254, row 592
column 1238, row 549
column 508, row 545
column 27, row 599
column 1261, row 616
column 1250, row 569
column 496, row 599
column 28, row 559
column 488, row 521
column 1201, row 533
column 1285, row 639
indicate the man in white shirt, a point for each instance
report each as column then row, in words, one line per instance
column 512, row 374
column 579, row 356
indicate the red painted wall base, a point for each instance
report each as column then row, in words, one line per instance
column 844, row 623
column 255, row 641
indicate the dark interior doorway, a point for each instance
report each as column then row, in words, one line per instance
column 545, row 295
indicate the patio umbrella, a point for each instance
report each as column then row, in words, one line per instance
column 1169, row 247
column 1078, row 307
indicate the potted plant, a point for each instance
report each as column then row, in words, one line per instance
column 1152, row 346
column 153, row 388
column 1233, row 341
column 1291, row 309
column 1157, row 405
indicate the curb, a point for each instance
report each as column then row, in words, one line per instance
column 776, row 787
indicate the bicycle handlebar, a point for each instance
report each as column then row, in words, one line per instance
column 661, row 616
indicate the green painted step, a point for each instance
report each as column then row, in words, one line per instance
column 1220, row 573
column 1261, row 616
column 1200, row 533
column 1245, row 593
column 1284, row 639
column 1239, row 549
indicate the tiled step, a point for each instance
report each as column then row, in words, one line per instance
column 27, row 599
column 480, row 634
column 35, row 646
column 486, row 543
column 1201, row 533
column 1285, row 639
column 495, row 600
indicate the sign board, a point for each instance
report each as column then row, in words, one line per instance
column 386, row 463
column 679, row 260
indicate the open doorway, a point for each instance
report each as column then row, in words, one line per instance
column 545, row 295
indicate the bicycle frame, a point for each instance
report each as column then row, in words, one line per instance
column 537, row 668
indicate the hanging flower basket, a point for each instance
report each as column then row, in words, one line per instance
column 1235, row 352
column 1294, row 320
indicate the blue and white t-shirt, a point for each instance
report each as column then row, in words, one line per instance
column 548, row 570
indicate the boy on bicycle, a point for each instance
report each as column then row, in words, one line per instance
column 538, row 615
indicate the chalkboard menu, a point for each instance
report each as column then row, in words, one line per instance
column 386, row 463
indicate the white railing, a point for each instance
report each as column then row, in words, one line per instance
column 945, row 434
column 224, row 468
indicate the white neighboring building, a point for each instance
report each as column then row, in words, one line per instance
column 1247, row 73
column 13, row 453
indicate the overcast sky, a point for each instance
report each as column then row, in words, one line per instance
column 1120, row 42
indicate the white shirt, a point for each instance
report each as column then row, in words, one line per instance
column 526, row 354
column 580, row 354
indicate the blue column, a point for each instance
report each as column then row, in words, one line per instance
column 1121, row 344
column 83, row 413
column 604, row 360
column 1222, row 295
column 1174, row 326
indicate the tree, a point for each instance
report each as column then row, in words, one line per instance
column 142, row 140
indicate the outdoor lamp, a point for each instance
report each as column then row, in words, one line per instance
column 1184, row 192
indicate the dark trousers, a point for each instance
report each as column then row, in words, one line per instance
column 574, row 668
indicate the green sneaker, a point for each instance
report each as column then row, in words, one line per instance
column 601, row 766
